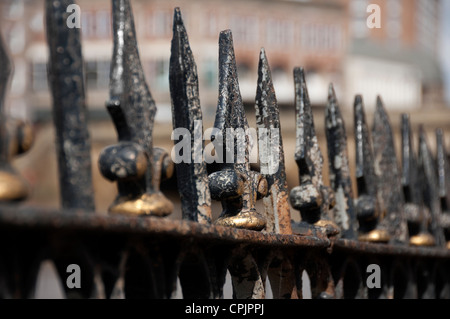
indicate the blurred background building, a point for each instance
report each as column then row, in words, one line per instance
column 331, row 39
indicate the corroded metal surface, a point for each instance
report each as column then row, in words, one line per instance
column 271, row 151
column 443, row 167
column 389, row 178
column 417, row 215
column 235, row 184
column 312, row 198
column 339, row 172
column 192, row 177
column 368, row 209
column 136, row 166
column 430, row 189
column 66, row 80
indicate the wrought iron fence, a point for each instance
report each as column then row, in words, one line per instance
column 396, row 224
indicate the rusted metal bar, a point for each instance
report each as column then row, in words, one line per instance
column 417, row 215
column 368, row 209
column 339, row 169
column 235, row 184
column 443, row 167
column 393, row 226
column 66, row 78
column 192, row 177
column 312, row 198
column 430, row 188
column 271, row 151
column 136, row 166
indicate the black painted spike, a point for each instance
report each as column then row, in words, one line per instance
column 339, row 169
column 367, row 205
column 136, row 166
column 271, row 151
column 389, row 177
column 312, row 198
column 192, row 177
column 235, row 184
column 430, row 188
column 416, row 213
column 66, row 78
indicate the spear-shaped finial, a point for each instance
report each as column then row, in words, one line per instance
column 430, row 188
column 136, row 166
column 271, row 152
column 417, row 215
column 340, row 178
column 312, row 198
column 368, row 209
column 66, row 78
column 192, row 177
column 235, row 185
column 389, row 178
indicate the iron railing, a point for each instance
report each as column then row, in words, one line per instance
column 398, row 220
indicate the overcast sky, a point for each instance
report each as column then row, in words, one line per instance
column 445, row 46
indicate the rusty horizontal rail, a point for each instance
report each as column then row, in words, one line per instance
column 79, row 220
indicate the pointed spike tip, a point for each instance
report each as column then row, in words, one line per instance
column 299, row 72
column 332, row 100
column 380, row 103
column 177, row 19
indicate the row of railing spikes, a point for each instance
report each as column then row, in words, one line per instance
column 407, row 205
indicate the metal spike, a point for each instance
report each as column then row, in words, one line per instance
column 66, row 78
column 430, row 188
column 368, row 208
column 339, row 169
column 192, row 177
column 235, row 184
column 443, row 166
column 415, row 212
column 312, row 198
column 389, row 178
column 136, row 166
column 271, row 151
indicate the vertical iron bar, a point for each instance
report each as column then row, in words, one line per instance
column 389, row 178
column 367, row 204
column 66, row 78
column 236, row 185
column 271, row 151
column 312, row 198
column 416, row 213
column 192, row 177
column 339, row 169
column 430, row 188
column 136, row 166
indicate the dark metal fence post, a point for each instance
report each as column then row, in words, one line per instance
column 393, row 226
column 235, row 185
column 417, row 215
column 192, row 177
column 312, row 198
column 136, row 166
column 339, row 169
column 66, row 78
column 271, row 151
